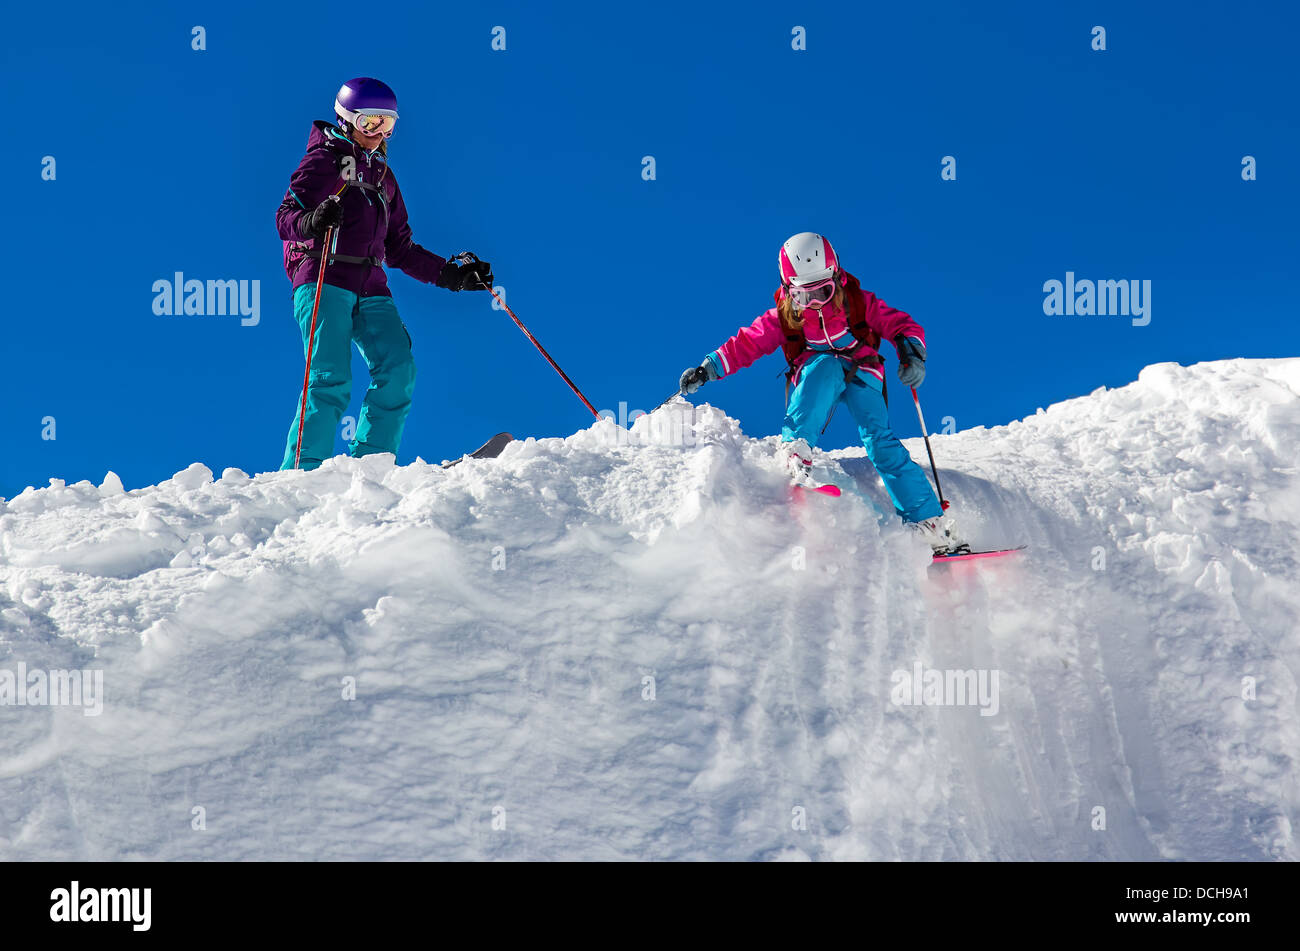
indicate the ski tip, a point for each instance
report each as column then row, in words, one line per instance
column 976, row 555
column 830, row 490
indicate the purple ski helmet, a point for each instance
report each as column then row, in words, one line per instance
column 368, row 104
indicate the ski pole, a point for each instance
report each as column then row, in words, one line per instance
column 943, row 503
column 468, row 257
column 311, row 338
column 667, row 401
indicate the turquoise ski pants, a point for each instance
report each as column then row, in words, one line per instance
column 821, row 386
column 373, row 325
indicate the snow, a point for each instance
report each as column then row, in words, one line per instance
column 617, row 646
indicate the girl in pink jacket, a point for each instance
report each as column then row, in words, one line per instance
column 830, row 330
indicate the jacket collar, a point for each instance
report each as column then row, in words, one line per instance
column 326, row 133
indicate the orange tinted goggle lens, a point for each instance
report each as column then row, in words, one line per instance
column 375, row 125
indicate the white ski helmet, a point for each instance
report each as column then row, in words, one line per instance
column 807, row 258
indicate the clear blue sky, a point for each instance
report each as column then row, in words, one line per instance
column 1123, row 164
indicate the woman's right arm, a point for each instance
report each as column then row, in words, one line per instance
column 315, row 179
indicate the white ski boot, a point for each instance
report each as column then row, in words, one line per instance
column 799, row 462
column 942, row 535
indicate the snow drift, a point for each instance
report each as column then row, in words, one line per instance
column 618, row 646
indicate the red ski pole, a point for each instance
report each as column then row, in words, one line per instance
column 468, row 257
column 311, row 339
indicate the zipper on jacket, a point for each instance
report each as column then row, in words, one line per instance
column 827, row 334
column 846, row 351
column 375, row 233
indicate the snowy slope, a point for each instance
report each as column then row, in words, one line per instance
column 501, row 619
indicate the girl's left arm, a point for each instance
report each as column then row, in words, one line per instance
column 889, row 322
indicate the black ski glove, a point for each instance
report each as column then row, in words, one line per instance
column 465, row 277
column 696, row 377
column 478, row 277
column 911, row 360
column 328, row 214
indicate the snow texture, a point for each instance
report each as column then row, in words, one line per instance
column 620, row 646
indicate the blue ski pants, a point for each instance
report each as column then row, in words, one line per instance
column 820, row 387
column 372, row 323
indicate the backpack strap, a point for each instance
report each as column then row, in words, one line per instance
column 858, row 314
column 793, row 346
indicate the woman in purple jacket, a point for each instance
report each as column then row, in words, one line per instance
column 344, row 182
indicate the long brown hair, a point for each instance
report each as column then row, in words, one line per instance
column 790, row 318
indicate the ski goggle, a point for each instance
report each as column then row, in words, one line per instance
column 811, row 295
column 375, row 125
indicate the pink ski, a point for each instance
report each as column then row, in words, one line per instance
column 797, row 491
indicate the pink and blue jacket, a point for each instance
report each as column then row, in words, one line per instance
column 825, row 331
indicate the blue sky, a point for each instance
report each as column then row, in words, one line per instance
column 1122, row 164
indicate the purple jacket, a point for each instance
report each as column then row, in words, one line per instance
column 374, row 218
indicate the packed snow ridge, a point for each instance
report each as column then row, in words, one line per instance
column 633, row 644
